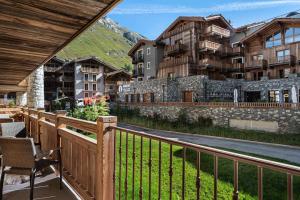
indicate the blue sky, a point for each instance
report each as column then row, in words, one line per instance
column 151, row 17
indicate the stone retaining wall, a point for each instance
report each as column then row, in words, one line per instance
column 287, row 120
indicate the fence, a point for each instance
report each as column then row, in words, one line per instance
column 90, row 165
column 221, row 104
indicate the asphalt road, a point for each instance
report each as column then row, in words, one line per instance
column 288, row 153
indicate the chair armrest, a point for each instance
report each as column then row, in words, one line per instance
column 49, row 153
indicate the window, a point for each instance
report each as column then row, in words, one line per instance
column 274, row 96
column 86, row 77
column 126, row 98
column 94, row 77
column 281, row 73
column 138, row 98
column 257, row 57
column 148, row 51
column 86, row 95
column 274, row 40
column 152, row 99
column 292, row 35
column 260, row 74
column 86, row 86
column 282, row 55
column 148, row 65
column 94, row 87
column 286, row 96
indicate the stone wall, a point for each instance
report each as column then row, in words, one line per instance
column 287, row 120
column 35, row 89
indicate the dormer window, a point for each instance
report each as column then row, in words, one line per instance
column 273, row 40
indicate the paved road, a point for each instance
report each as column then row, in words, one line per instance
column 283, row 152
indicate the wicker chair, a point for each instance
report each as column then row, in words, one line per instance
column 20, row 158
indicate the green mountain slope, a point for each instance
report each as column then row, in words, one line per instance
column 101, row 41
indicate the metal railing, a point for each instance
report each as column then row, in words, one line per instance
column 145, row 152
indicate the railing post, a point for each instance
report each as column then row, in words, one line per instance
column 39, row 117
column 105, row 158
column 59, row 113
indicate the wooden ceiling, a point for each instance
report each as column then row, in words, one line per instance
column 33, row 31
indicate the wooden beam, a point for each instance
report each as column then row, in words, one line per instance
column 12, row 88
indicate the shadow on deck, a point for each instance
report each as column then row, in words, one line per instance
column 46, row 187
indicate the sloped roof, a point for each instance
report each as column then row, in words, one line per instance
column 121, row 71
column 139, row 44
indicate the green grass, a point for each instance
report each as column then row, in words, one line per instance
column 274, row 183
column 287, row 139
column 102, row 42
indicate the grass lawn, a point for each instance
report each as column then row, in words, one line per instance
column 274, row 183
column 290, row 139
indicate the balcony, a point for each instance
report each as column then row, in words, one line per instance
column 207, row 45
column 237, row 67
column 180, row 29
column 219, row 31
column 176, row 62
column 256, row 64
column 210, row 64
column 173, row 50
column 92, row 70
column 51, row 69
column 282, row 60
column 138, row 59
column 97, row 168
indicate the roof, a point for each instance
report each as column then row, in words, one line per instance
column 139, row 44
column 96, row 59
column 121, row 71
column 269, row 24
column 32, row 32
column 178, row 20
column 221, row 17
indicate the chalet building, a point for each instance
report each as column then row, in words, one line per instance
column 81, row 78
column 260, row 60
column 146, row 56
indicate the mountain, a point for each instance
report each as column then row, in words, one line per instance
column 107, row 40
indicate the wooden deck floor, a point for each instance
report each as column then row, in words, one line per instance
column 46, row 187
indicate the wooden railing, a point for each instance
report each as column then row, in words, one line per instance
column 222, row 104
column 88, row 163
column 175, row 49
column 209, row 45
column 10, row 111
column 180, row 29
column 216, row 30
column 211, row 63
column 90, row 70
column 135, row 178
column 175, row 62
column 257, row 64
column 290, row 59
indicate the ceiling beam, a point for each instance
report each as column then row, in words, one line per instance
column 12, row 88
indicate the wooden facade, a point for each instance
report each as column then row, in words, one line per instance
column 33, row 31
column 194, row 46
column 273, row 51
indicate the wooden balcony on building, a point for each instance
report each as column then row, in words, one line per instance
column 282, row 60
column 173, row 50
column 255, row 64
column 180, row 29
column 207, row 45
column 219, row 31
column 238, row 67
column 52, row 69
column 176, row 62
column 138, row 59
column 90, row 70
column 210, row 64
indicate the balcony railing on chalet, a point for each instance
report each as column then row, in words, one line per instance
column 209, row 45
column 289, row 60
column 52, row 69
column 95, row 70
column 176, row 62
column 209, row 63
column 223, row 104
column 263, row 64
column 172, row 50
column 216, row 30
column 100, row 168
column 138, row 59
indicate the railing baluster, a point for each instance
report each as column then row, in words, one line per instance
column 260, row 182
column 120, row 165
column 133, row 165
column 215, row 177
column 150, row 167
column 290, row 192
column 198, row 164
column 159, row 171
column 126, row 168
column 171, row 171
column 183, row 174
column 141, row 171
column 236, row 180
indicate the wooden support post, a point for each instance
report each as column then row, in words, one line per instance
column 59, row 113
column 105, row 158
column 38, row 131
